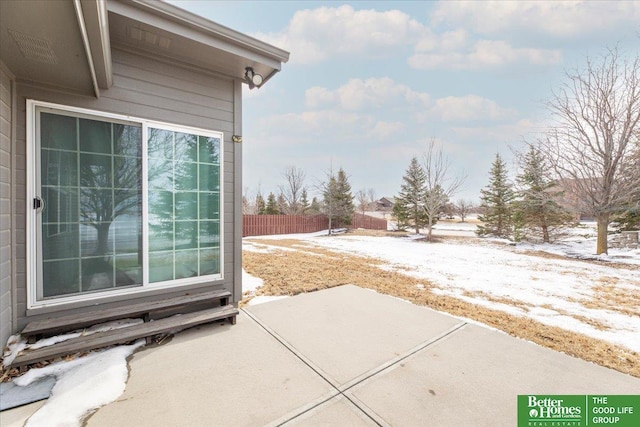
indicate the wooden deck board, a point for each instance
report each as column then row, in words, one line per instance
column 97, row 340
column 77, row 321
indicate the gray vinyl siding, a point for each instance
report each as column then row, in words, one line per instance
column 153, row 90
column 6, row 240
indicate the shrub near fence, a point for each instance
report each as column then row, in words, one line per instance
column 264, row 225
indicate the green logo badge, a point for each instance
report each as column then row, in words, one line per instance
column 578, row 410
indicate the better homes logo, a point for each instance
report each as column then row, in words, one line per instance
column 548, row 411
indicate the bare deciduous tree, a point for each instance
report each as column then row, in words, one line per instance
column 597, row 114
column 372, row 195
column 440, row 187
column 463, row 208
column 363, row 200
column 292, row 190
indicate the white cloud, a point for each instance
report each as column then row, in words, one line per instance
column 562, row 19
column 358, row 94
column 383, row 130
column 314, row 35
column 483, row 54
column 467, row 108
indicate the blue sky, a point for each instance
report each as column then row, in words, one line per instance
column 370, row 84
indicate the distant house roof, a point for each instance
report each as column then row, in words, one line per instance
column 67, row 44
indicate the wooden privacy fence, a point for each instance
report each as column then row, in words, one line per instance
column 264, row 225
column 368, row 222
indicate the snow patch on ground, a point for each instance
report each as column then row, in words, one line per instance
column 250, row 283
column 82, row 386
column 557, row 292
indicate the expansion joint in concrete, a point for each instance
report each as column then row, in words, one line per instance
column 341, row 390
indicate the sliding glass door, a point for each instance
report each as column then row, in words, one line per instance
column 122, row 205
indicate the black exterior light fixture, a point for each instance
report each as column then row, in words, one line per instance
column 252, row 78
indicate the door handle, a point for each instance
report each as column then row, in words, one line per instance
column 38, row 203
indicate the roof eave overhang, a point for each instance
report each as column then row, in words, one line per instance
column 96, row 23
column 193, row 27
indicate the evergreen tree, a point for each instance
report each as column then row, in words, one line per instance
column 338, row 200
column 537, row 207
column 629, row 218
column 304, row 202
column 409, row 206
column 496, row 203
column 260, row 204
column 314, row 208
column 401, row 214
column 272, row 205
column 283, row 206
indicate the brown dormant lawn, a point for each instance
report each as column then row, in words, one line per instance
column 292, row 266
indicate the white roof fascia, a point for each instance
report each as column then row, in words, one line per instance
column 97, row 25
column 87, row 46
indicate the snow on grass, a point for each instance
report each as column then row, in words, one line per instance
column 250, row 283
column 557, row 292
column 249, row 286
column 82, row 386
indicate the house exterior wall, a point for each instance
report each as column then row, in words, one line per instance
column 149, row 89
column 6, row 182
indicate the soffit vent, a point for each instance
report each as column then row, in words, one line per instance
column 149, row 37
column 34, row 48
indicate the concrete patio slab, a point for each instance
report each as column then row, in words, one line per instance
column 473, row 377
column 347, row 357
column 348, row 331
column 213, row 376
column 17, row 417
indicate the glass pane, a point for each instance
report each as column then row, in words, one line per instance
column 209, row 206
column 96, row 205
column 92, row 205
column 160, row 235
column 209, row 178
column 60, row 204
column 160, row 144
column 59, row 168
column 186, row 264
column 160, row 174
column 209, row 261
column 160, row 266
column 127, row 234
column 96, row 239
column 127, row 172
column 60, row 277
column 209, row 234
column 126, row 140
column 95, row 136
column 186, row 176
column 60, row 241
column 58, row 132
column 97, row 273
column 95, row 171
column 209, row 149
column 187, row 205
column 186, row 147
column 128, row 270
column 186, row 236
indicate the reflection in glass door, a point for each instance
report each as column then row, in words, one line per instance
column 91, row 220
column 184, row 205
